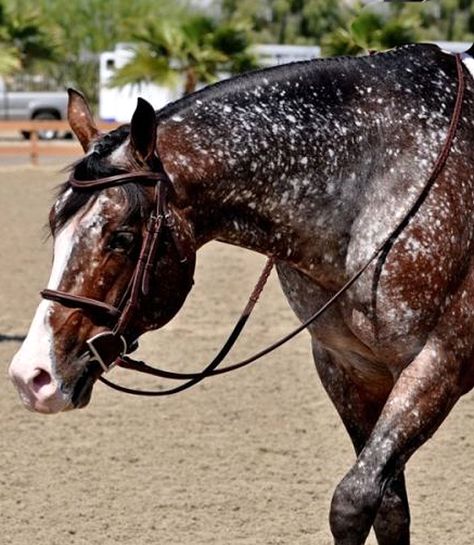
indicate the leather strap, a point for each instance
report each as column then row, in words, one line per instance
column 118, row 179
column 106, row 347
column 78, row 301
column 435, row 172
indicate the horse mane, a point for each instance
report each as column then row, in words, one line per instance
column 277, row 74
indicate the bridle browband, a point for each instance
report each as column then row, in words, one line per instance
column 112, row 346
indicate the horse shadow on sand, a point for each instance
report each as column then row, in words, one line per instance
column 11, row 338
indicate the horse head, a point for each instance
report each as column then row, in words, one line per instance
column 124, row 256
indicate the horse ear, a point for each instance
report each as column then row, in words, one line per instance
column 143, row 130
column 81, row 119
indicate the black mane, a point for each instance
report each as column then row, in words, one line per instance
column 277, row 74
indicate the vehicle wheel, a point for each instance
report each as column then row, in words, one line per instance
column 47, row 134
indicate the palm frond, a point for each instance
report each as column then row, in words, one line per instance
column 146, row 67
column 9, row 60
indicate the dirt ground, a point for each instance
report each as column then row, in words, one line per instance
column 246, row 459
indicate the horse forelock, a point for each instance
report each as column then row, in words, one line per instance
column 95, row 165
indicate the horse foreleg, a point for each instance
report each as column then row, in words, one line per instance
column 359, row 412
column 392, row 522
column 421, row 398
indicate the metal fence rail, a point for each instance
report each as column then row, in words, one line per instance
column 34, row 147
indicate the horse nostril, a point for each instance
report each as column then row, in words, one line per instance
column 41, row 379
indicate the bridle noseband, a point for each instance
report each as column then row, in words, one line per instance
column 113, row 345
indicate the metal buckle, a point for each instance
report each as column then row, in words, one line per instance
column 96, row 354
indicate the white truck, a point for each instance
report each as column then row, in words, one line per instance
column 21, row 105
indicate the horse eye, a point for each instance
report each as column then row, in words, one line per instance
column 121, row 241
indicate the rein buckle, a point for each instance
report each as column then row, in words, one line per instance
column 104, row 348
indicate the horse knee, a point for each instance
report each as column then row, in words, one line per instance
column 354, row 507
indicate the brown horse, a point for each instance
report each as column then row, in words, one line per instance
column 314, row 164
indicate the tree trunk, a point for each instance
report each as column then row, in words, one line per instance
column 190, row 81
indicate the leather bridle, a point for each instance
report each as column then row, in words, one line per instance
column 105, row 347
column 112, row 346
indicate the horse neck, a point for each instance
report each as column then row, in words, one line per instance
column 283, row 165
column 276, row 198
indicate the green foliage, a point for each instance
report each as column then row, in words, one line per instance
column 9, row 60
column 320, row 17
column 24, row 42
column 9, row 56
column 382, row 26
column 271, row 21
column 79, row 31
column 195, row 48
column 330, row 22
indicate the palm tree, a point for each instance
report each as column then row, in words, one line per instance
column 24, row 40
column 390, row 24
column 9, row 60
column 195, row 50
column 9, row 55
column 373, row 30
column 87, row 28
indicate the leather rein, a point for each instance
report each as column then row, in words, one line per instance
column 111, row 347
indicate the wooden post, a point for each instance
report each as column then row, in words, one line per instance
column 34, row 146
